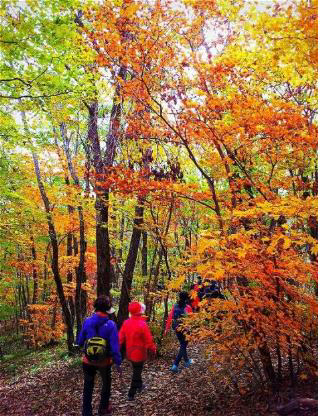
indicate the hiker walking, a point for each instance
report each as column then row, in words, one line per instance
column 138, row 339
column 99, row 338
column 178, row 311
column 211, row 290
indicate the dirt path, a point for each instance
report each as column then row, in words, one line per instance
column 57, row 391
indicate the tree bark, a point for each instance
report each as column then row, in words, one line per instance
column 101, row 206
column 34, row 272
column 55, row 257
column 144, row 254
column 130, row 263
column 80, row 295
column 267, row 365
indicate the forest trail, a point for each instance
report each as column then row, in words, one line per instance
column 57, row 391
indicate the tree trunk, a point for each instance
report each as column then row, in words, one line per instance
column 144, row 254
column 267, row 365
column 121, row 237
column 45, row 275
column 152, row 284
column 101, row 206
column 69, row 253
column 34, row 272
column 130, row 264
column 290, row 361
column 55, row 257
column 104, row 276
column 69, row 245
column 102, row 245
column 80, row 295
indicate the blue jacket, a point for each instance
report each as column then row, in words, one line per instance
column 107, row 330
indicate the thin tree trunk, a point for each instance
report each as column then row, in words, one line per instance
column 130, row 264
column 278, row 353
column 101, row 206
column 80, row 295
column 149, row 282
column 55, row 257
column 34, row 272
column 144, row 254
column 267, row 365
column 45, row 274
column 152, row 284
column 55, row 247
column 121, row 237
column 27, row 289
column 290, row 361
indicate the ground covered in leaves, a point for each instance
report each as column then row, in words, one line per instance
column 50, row 383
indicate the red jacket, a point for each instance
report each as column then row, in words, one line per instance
column 137, row 337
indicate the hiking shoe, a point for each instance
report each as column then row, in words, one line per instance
column 106, row 412
column 140, row 389
column 188, row 363
column 174, row 368
column 131, row 397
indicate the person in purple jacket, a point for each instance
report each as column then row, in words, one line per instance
column 98, row 325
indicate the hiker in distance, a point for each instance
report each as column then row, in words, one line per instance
column 178, row 311
column 138, row 340
column 99, row 339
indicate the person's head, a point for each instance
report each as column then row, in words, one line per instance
column 102, row 304
column 182, row 299
column 135, row 308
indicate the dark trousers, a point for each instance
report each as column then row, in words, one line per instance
column 182, row 353
column 89, row 381
column 137, row 381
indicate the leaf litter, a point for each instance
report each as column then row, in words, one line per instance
column 56, row 390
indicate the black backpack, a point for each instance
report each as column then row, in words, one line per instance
column 97, row 348
column 179, row 313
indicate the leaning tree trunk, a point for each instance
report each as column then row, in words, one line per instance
column 55, row 257
column 55, row 248
column 130, row 264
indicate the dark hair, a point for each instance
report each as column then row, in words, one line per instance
column 182, row 299
column 102, row 303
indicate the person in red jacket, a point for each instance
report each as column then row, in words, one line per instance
column 138, row 340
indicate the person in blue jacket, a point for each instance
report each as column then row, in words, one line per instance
column 99, row 325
